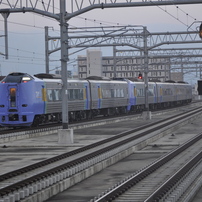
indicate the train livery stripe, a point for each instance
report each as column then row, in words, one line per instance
column 135, row 92
column 85, row 97
column 99, row 93
column 99, row 97
column 135, row 95
column 84, row 93
column 44, row 97
column 161, row 94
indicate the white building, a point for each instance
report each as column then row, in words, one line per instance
column 94, row 63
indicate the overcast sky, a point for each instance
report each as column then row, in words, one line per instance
column 26, row 32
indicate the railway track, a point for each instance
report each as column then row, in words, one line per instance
column 4, row 130
column 167, row 179
column 43, row 175
column 9, row 134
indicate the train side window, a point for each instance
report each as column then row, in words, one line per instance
column 53, row 95
column 56, row 94
column 70, row 94
column 49, row 95
column 75, row 94
column 117, row 92
column 80, row 94
column 60, row 94
column 106, row 93
column 140, row 92
column 121, row 93
column 112, row 93
column 151, row 92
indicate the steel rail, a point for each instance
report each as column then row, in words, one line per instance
column 85, row 148
column 165, row 187
column 174, row 179
column 16, row 186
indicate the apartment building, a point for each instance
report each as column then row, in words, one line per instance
column 93, row 64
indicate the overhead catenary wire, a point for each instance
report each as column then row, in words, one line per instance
column 95, row 21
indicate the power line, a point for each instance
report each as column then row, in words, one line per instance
column 177, row 18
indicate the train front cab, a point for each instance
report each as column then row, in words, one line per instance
column 17, row 93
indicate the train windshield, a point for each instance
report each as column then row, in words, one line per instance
column 17, row 78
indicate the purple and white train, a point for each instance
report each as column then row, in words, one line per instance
column 27, row 100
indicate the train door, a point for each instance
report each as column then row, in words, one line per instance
column 12, row 99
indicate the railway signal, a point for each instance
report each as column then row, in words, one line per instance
column 140, row 76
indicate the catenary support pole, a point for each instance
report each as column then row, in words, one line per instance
column 65, row 135
column 46, row 49
column 64, row 59
column 5, row 16
column 114, row 58
column 147, row 113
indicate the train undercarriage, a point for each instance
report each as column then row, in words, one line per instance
column 75, row 116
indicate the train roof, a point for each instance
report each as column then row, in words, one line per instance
column 48, row 76
column 98, row 78
column 183, row 82
column 17, row 77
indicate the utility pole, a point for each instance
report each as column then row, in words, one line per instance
column 114, row 56
column 46, row 49
column 5, row 16
column 65, row 135
column 147, row 113
column 64, row 59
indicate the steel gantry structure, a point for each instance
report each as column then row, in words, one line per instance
column 179, row 58
column 137, row 37
column 62, row 11
column 128, row 36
